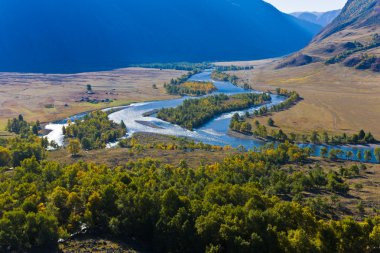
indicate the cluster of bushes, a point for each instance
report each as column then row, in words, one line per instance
column 233, row 68
column 187, row 66
column 175, row 86
column 292, row 97
column 224, row 77
column 16, row 149
column 360, row 138
column 334, row 154
column 364, row 61
column 177, row 143
column 20, row 126
column 191, row 88
column 196, row 112
column 25, row 144
column 95, row 130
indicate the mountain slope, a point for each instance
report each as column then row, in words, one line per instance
column 357, row 14
column 74, row 36
column 319, row 18
column 352, row 39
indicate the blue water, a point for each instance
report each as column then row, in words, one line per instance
column 214, row 132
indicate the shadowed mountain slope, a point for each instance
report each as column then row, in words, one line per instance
column 73, row 36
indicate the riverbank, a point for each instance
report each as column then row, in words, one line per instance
column 336, row 99
column 50, row 97
column 213, row 132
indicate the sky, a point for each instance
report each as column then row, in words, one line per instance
column 289, row 6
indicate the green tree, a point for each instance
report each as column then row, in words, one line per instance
column 246, row 127
column 270, row 122
column 367, row 155
column 377, row 154
column 359, row 155
column 5, row 157
column 349, row 154
column 74, row 147
column 326, row 138
column 314, row 138
column 324, row 152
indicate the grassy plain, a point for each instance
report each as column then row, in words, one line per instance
column 48, row 97
column 335, row 98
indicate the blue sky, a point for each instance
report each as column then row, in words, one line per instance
column 307, row 5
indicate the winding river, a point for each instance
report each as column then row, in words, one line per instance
column 214, row 132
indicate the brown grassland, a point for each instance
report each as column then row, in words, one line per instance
column 48, row 97
column 335, row 98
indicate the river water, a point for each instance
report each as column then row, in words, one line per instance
column 214, row 132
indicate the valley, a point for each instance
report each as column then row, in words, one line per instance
column 215, row 126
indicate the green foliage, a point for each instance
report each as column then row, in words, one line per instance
column 175, row 86
column 188, row 66
column 176, row 209
column 95, row 130
column 191, row 88
column 270, row 122
column 75, row 146
column 195, row 112
column 22, row 148
column 364, row 61
column 221, row 76
column 23, row 128
column 5, row 157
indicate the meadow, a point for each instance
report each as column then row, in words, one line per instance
column 50, row 97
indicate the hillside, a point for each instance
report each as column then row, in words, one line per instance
column 66, row 36
column 352, row 39
column 319, row 18
column 337, row 74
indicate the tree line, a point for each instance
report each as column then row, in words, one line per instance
column 95, row 130
column 191, row 88
column 196, row 112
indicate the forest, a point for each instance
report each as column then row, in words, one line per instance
column 196, row 112
column 191, row 88
column 95, row 130
column 250, row 201
column 237, row 205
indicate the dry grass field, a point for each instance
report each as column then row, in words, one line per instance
column 336, row 99
column 366, row 193
column 48, row 97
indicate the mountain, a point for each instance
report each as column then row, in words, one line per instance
column 352, row 39
column 359, row 16
column 319, row 18
column 65, row 36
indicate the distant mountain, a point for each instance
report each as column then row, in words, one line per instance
column 320, row 18
column 359, row 15
column 66, row 36
column 351, row 39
